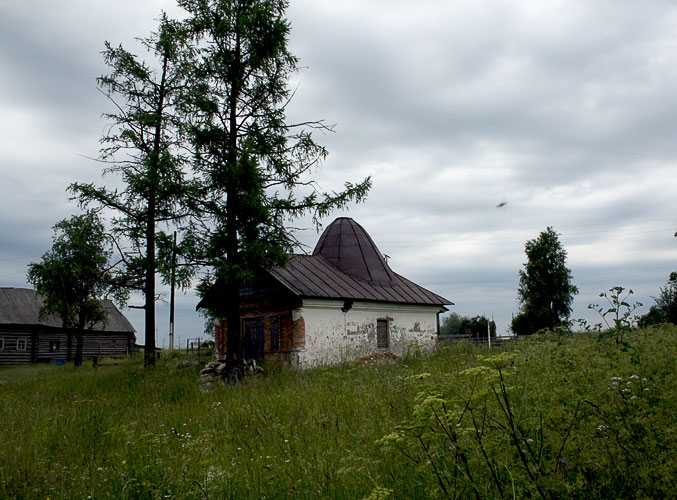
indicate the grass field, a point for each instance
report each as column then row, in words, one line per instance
column 554, row 416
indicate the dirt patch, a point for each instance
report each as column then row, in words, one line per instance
column 379, row 357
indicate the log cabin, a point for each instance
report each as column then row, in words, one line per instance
column 27, row 338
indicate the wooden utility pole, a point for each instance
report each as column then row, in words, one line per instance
column 171, row 297
column 489, row 330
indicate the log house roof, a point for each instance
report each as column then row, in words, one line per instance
column 21, row 306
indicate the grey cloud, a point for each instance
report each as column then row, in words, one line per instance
column 546, row 106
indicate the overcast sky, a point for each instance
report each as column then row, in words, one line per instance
column 564, row 112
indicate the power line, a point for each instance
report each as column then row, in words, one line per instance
column 629, row 223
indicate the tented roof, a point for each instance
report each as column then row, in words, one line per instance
column 346, row 264
column 347, row 246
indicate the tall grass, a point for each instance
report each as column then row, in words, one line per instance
column 353, row 431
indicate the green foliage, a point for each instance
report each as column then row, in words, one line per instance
column 591, row 425
column 464, row 326
column 252, row 165
column 616, row 314
column 554, row 416
column 664, row 309
column 250, row 161
column 524, row 324
column 74, row 275
column 220, row 91
column 124, row 432
column 477, row 328
column 144, row 146
column 546, row 291
column 451, row 324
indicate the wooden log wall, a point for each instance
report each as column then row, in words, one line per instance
column 12, row 352
column 20, row 347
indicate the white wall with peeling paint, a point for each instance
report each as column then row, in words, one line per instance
column 333, row 336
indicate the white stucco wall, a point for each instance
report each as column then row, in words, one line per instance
column 332, row 336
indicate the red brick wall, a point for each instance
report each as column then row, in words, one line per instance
column 298, row 333
column 268, row 305
column 220, row 337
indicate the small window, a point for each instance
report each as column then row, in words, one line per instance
column 54, row 345
column 274, row 333
column 2, row 344
column 382, row 339
column 21, row 344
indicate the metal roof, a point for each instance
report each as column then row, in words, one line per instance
column 21, row 306
column 346, row 245
column 347, row 265
column 314, row 276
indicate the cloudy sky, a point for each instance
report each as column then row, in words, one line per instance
column 564, row 112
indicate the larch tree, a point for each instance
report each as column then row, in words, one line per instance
column 253, row 165
column 74, row 275
column 546, row 290
column 143, row 145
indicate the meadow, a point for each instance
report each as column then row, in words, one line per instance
column 557, row 415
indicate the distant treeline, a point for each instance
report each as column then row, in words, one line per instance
column 476, row 327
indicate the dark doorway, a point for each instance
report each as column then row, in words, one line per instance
column 254, row 338
column 382, row 337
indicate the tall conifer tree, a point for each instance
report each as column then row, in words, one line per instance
column 143, row 144
column 252, row 163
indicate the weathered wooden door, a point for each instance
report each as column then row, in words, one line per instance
column 382, row 340
column 254, row 338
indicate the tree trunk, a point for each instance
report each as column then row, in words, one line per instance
column 149, row 289
column 78, row 347
column 69, row 345
column 234, row 351
column 234, row 347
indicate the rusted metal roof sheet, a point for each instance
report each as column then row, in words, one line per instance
column 21, row 306
column 346, row 264
column 313, row 276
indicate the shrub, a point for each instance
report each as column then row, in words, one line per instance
column 665, row 308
